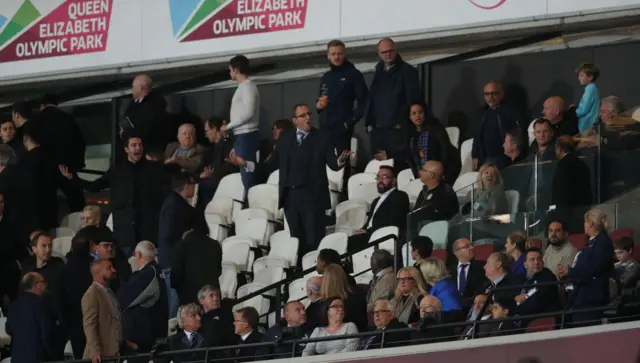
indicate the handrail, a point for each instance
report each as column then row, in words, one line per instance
column 91, row 171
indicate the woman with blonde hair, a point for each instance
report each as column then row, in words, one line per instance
column 443, row 286
column 335, row 284
column 593, row 266
column 408, row 294
column 489, row 197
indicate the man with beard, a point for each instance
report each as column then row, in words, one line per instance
column 389, row 209
column 559, row 252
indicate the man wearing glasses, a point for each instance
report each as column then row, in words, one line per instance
column 384, row 319
column 437, row 200
column 469, row 274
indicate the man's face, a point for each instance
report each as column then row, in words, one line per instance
column 104, row 250
column 509, row 246
column 275, row 132
column 382, row 315
column 550, row 110
column 89, row 219
column 189, row 190
column 241, row 326
column 213, row 134
column 606, row 114
column 7, row 131
column 295, row 314
column 556, row 234
column 43, row 248
column 41, row 285
column 509, row 146
column 385, row 179
column 428, row 305
column 336, row 55
column 233, row 73
column 108, row 272
column 302, row 118
column 186, row 136
column 134, row 149
column 533, row 263
column 478, row 303
column 387, row 52
column 622, row 255
column 491, row 268
column 191, row 322
column 464, row 251
column 543, row 133
column 426, row 174
column 211, row 301
column 493, row 94
column 416, row 114
column 498, row 312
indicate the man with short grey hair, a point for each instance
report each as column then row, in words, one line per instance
column 610, row 107
column 315, row 309
column 144, row 300
column 19, row 193
column 217, row 318
column 384, row 281
column 384, row 319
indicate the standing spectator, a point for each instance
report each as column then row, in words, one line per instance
column 384, row 283
column 8, row 137
column 437, row 200
column 176, row 217
column 343, row 96
column 593, row 267
column 214, row 158
column 137, row 188
column 101, row 317
column 43, row 173
column 31, row 324
column 627, row 268
column 20, row 114
column 495, row 121
column 559, row 252
column 91, row 216
column 64, row 143
column 245, row 116
column 185, row 153
column 217, row 318
column 246, row 328
column 143, row 300
column 188, row 337
column 543, row 145
column 19, row 193
column 336, row 325
column 571, row 186
column 589, row 108
column 303, row 157
column 147, row 116
column 197, row 261
column 102, row 247
column 443, row 286
column 421, row 249
column 468, row 273
column 395, row 86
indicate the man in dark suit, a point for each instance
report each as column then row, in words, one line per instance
column 214, row 158
column 468, row 273
column 31, row 324
column 437, row 201
column 137, row 188
column 302, row 156
column 143, row 300
column 541, row 299
column 571, row 185
column 147, row 115
column 246, row 328
column 384, row 319
column 187, row 338
column 216, row 319
column 290, row 327
column 19, row 193
column 497, row 269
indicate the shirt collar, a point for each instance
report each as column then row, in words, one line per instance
column 385, row 194
column 305, row 133
column 497, row 281
column 245, row 336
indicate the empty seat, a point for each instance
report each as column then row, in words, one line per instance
column 269, row 276
column 284, row 246
column 264, row 196
column 297, row 289
column 438, row 231
column 172, row 326
column 309, row 261
column 404, row 177
column 513, row 200
column 363, row 187
column 260, row 303
column 621, row 232
column 255, row 223
column 350, row 216
column 337, row 241
column 465, row 156
column 62, row 245
column 535, row 242
column 274, row 178
column 228, row 280
column 374, row 165
column 362, row 262
column 454, row 135
column 239, row 251
column 228, row 199
column 72, row 220
column 388, row 244
column 269, row 261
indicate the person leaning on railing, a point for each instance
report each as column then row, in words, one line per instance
column 335, row 311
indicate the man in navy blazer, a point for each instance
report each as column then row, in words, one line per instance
column 31, row 323
column 537, row 299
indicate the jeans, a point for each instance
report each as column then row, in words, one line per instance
column 246, row 146
column 172, row 294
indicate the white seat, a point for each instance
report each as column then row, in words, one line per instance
column 389, row 244
column 532, row 136
column 5, row 339
column 109, row 223
column 362, row 262
column 297, row 289
column 410, row 261
column 62, row 232
column 218, row 232
column 228, row 199
column 254, row 223
column 454, row 135
column 404, row 178
column 414, row 188
column 438, row 231
column 309, row 260
column 193, row 201
column 172, row 326
column 513, row 200
column 465, row 183
column 336, row 184
column 350, row 216
column 363, row 186
column 284, row 246
column 68, row 350
column 238, row 250
column 264, row 196
column 62, row 245
column 374, row 165
column 73, row 221
column 274, row 178
column 228, row 280
column 260, row 303
column 269, row 261
column 6, row 360
column 465, row 156
column 269, row 276
column 354, row 152
column 337, row 241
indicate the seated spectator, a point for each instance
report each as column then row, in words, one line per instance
column 213, row 158
column 475, row 312
column 334, row 283
column 514, row 149
column 442, row 285
column 498, row 272
column 503, row 308
column 562, row 122
column 91, row 216
column 421, row 249
column 389, row 209
column 8, row 137
column 537, row 299
column 408, row 294
column 187, row 337
column 559, row 251
column 384, row 319
column 469, row 274
column 571, row 185
column 217, row 318
column 290, row 327
column 430, row 315
column 327, row 257
column 610, row 108
column 617, row 132
column 315, row 309
column 384, row 281
column 437, row 201
column 246, row 328
column 488, row 194
column 185, row 153
column 627, row 268
column 335, row 315
column 515, row 248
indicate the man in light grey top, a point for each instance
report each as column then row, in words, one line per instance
column 245, row 116
column 559, row 252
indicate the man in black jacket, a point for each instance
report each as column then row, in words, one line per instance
column 214, row 158
column 437, row 201
column 342, row 97
column 290, row 327
column 571, row 185
column 384, row 319
column 474, row 280
column 395, row 86
column 19, row 193
column 216, row 319
column 498, row 272
column 540, row 299
column 246, row 329
column 147, row 115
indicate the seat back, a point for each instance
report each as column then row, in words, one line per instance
column 406, row 253
column 309, row 260
column 350, row 216
column 454, row 135
column 513, row 200
column 228, row 280
column 72, row 220
column 482, row 252
column 285, row 247
column 465, row 156
column 297, row 289
column 464, row 183
column 62, row 245
column 362, row 262
column 621, row 232
column 389, row 244
column 264, row 196
column 374, row 165
column 267, row 262
column 354, row 152
column 109, row 222
column 404, row 177
column 260, row 303
column 238, row 250
column 274, row 178
column 62, row 232
column 269, row 276
column 231, row 189
column 336, row 241
column 578, row 240
column 363, row 187
column 438, row 231
column 414, row 188
column 336, row 179
column 254, row 223
column 532, row 136
column 440, row 254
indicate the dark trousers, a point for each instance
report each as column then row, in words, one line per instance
column 340, row 137
column 246, row 146
column 72, row 191
column 387, row 139
column 206, row 190
column 306, row 219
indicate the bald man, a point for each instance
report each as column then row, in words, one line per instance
column 395, row 86
column 490, row 130
column 185, row 154
column 147, row 114
column 562, row 123
column 437, row 201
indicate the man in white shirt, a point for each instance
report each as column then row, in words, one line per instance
column 244, row 122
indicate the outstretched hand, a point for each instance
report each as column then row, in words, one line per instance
column 344, row 156
column 235, row 159
column 65, row 172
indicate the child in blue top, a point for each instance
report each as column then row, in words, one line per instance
column 589, row 109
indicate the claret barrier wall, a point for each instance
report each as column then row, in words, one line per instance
column 105, row 35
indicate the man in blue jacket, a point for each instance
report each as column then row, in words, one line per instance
column 342, row 97
column 395, row 87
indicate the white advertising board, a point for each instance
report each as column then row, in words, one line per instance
column 64, row 37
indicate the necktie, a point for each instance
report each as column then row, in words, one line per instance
column 192, row 340
column 462, row 278
column 300, row 137
column 366, row 344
